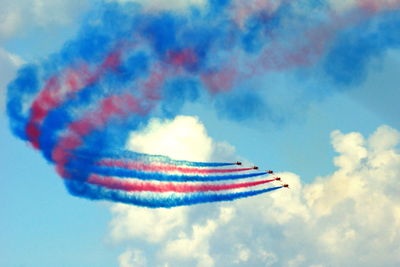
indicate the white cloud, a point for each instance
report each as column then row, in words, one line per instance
column 243, row 254
column 146, row 224
column 132, row 258
column 348, row 218
column 297, row 261
column 192, row 247
column 182, row 138
column 356, row 208
column 18, row 15
column 10, row 21
column 57, row 11
column 197, row 245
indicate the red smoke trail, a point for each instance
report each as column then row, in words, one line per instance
column 182, row 57
column 221, row 80
column 163, row 187
column 116, row 105
column 375, row 6
column 280, row 56
column 47, row 99
column 57, row 91
column 151, row 87
column 163, row 167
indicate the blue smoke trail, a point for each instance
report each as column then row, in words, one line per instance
column 127, row 173
column 155, row 201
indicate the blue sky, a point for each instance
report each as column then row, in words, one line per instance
column 42, row 225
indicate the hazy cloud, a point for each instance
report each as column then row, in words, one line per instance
column 157, row 5
column 18, row 15
column 8, row 66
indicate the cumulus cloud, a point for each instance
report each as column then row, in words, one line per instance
column 196, row 246
column 149, row 225
column 132, row 258
column 356, row 209
column 184, row 137
column 348, row 218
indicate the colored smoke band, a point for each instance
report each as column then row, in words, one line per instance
column 126, row 65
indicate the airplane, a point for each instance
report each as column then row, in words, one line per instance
column 255, row 168
column 238, row 163
column 277, row 178
column 285, row 185
column 270, row 172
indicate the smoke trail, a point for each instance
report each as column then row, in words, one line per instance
column 132, row 165
column 156, row 200
column 128, row 186
column 158, row 176
column 126, row 65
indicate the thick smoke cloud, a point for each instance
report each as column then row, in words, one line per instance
column 130, row 62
